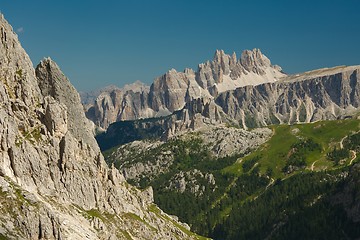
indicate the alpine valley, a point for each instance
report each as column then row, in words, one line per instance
column 238, row 149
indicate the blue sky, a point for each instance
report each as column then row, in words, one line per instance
column 97, row 43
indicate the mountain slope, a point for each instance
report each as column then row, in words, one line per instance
column 54, row 182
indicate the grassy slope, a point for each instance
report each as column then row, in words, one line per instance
column 273, row 153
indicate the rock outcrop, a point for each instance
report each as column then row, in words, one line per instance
column 173, row 90
column 52, row 82
column 54, row 182
column 189, row 180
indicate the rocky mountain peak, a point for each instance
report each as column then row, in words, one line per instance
column 16, row 65
column 219, row 55
column 137, row 86
column 189, row 71
column 233, row 58
column 54, row 83
column 254, row 61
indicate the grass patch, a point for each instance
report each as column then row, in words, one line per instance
column 126, row 234
column 33, row 136
column 19, row 73
column 94, row 213
column 135, row 217
column 2, row 237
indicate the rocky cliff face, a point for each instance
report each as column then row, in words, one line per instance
column 173, row 90
column 324, row 94
column 54, row 183
column 118, row 104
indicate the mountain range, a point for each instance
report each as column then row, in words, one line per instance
column 249, row 92
column 173, row 90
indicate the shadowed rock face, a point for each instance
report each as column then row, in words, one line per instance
column 173, row 90
column 54, row 183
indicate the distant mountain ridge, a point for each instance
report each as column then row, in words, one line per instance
column 173, row 90
column 249, row 92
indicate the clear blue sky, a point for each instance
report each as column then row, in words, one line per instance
column 97, row 43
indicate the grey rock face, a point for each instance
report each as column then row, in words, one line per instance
column 117, row 104
column 52, row 82
column 319, row 95
column 132, row 169
column 54, row 182
column 251, row 92
column 225, row 72
column 254, row 61
column 168, row 91
column 173, row 90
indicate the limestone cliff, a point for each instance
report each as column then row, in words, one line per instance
column 323, row 94
column 116, row 104
column 54, row 183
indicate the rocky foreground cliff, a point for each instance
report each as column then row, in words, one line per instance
column 54, row 183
